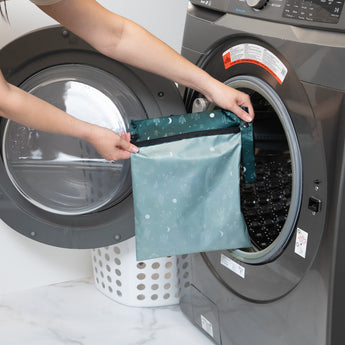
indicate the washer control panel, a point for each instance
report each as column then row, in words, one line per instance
column 327, row 11
column 319, row 14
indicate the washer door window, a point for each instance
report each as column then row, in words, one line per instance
column 62, row 174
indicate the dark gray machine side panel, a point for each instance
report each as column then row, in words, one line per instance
column 294, row 320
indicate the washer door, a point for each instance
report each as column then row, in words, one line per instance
column 65, row 175
column 289, row 180
column 57, row 189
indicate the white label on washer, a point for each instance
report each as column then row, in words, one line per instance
column 301, row 243
column 232, row 265
column 206, row 325
column 253, row 53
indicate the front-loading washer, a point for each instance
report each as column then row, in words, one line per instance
column 287, row 288
column 57, row 189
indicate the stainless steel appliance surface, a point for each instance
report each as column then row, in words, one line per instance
column 287, row 288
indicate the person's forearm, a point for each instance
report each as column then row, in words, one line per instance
column 24, row 108
column 139, row 48
column 19, row 106
column 126, row 41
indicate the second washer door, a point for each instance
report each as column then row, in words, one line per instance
column 62, row 174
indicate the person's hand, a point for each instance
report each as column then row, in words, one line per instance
column 111, row 145
column 231, row 99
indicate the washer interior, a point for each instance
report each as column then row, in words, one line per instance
column 271, row 205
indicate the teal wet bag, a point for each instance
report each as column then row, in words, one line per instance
column 186, row 183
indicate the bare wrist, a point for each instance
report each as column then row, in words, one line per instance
column 206, row 86
column 86, row 131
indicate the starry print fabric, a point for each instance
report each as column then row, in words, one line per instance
column 187, row 192
column 165, row 127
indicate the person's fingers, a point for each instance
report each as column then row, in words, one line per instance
column 242, row 114
column 243, row 100
column 120, row 154
column 126, row 136
column 125, row 144
column 232, row 99
column 110, row 145
column 251, row 111
column 248, row 115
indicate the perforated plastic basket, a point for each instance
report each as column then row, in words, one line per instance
column 148, row 283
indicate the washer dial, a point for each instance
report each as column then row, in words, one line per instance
column 257, row 4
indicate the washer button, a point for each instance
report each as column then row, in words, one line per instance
column 314, row 204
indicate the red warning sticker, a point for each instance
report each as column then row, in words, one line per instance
column 253, row 53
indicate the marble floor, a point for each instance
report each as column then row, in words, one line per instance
column 76, row 313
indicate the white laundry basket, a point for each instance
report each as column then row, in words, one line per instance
column 148, row 283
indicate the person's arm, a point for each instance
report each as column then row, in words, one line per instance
column 125, row 41
column 19, row 106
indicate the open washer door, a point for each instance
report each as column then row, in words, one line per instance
column 57, row 189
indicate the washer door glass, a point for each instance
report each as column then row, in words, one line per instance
column 62, row 174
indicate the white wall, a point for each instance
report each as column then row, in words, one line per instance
column 164, row 18
column 25, row 263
